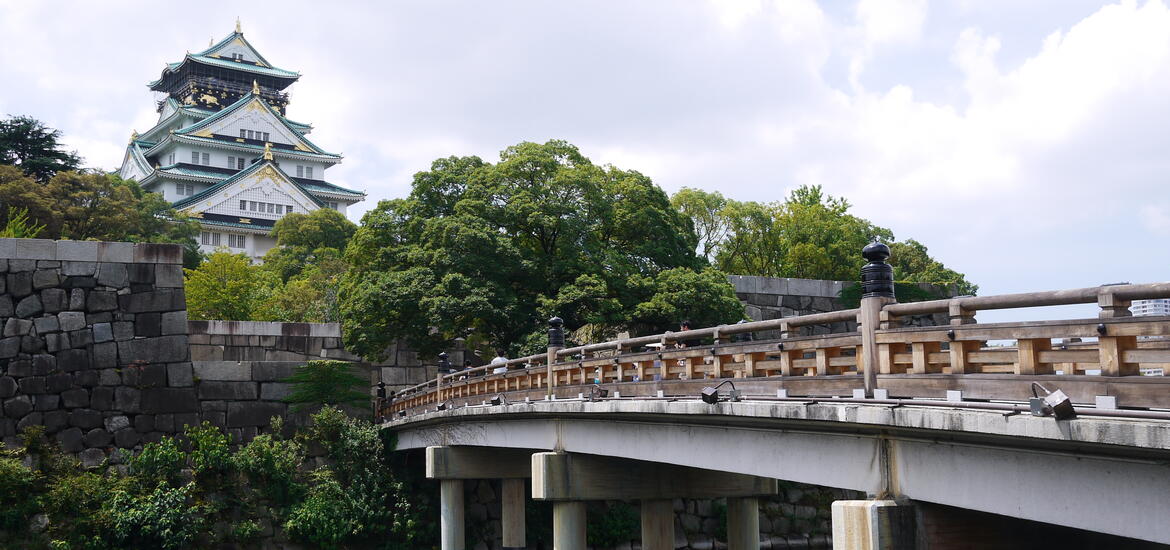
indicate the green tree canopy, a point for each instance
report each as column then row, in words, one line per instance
column 811, row 235
column 34, row 148
column 226, row 286
column 491, row 249
column 304, row 240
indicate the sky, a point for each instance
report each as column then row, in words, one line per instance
column 1022, row 142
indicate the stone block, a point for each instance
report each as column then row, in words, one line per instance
column 115, row 252
column 73, row 359
column 144, row 423
column 217, row 418
column 36, row 249
column 103, row 332
column 127, row 400
column 98, row 437
column 22, row 266
column 33, row 419
column 180, row 375
column 186, row 419
column 30, row 385
column 6, row 306
column 198, row 339
column 60, row 382
column 110, row 377
column 78, row 269
column 54, row 300
column 17, row 327
column 81, row 338
column 283, row 355
column 169, row 400
column 57, row 342
column 19, row 284
column 43, row 364
column 20, row 368
column 101, row 398
column 174, row 322
column 152, row 376
column 165, row 299
column 85, row 418
column 46, row 324
column 7, row 387
column 117, row 422
column 77, row 251
column 45, row 278
column 164, row 422
column 101, row 300
column 126, row 438
column 112, row 275
column 255, row 413
column 207, row 353
column 168, row 276
column 71, row 440
column 275, row 391
column 71, row 320
column 79, row 282
column 46, row 402
column 31, row 344
column 140, row 274
column 148, row 325
column 214, row 389
column 29, row 306
column 222, row 370
column 105, row 355
column 273, row 372
column 152, row 253
column 86, row 378
column 55, row 421
column 76, row 299
column 164, row 349
column 123, row 330
column 9, row 347
column 7, row 248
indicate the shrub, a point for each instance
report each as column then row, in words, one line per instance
column 78, row 504
column 167, row 517
column 616, row 524
column 209, row 450
column 323, row 518
column 271, row 465
column 158, row 462
column 17, row 485
column 352, row 444
column 324, row 382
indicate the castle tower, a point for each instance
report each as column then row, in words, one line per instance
column 224, row 153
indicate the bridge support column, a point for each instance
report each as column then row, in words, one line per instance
column 743, row 523
column 657, row 524
column 512, row 514
column 451, row 514
column 569, row 525
column 873, row 525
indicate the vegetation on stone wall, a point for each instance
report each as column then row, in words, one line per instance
column 195, row 492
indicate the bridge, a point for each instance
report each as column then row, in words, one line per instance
column 1049, row 421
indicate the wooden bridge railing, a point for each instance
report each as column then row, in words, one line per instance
column 1114, row 344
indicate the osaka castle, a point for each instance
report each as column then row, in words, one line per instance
column 224, row 153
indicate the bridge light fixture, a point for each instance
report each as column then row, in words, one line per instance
column 499, row 399
column 597, row 392
column 1102, row 329
column 710, row 394
column 780, row 346
column 1054, row 403
column 401, row 414
column 445, row 405
column 951, row 334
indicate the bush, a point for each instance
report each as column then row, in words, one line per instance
column 609, row 526
column 17, row 486
column 167, row 517
column 158, row 462
column 79, row 505
column 271, row 465
column 323, row 518
column 325, row 382
column 210, row 455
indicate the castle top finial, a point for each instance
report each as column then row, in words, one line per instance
column 267, row 150
column 210, row 41
column 255, row 88
column 238, row 25
column 133, row 135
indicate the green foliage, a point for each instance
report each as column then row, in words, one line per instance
column 227, row 286
column 306, row 239
column 487, row 251
column 19, row 226
column 166, row 517
column 36, row 149
column 611, row 524
column 326, row 382
column 209, row 454
column 850, row 296
column 270, row 464
column 17, row 484
column 245, row 531
column 323, row 517
column 719, row 510
column 811, row 235
column 79, row 504
column 158, row 463
column 703, row 297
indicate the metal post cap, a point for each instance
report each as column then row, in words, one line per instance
column 876, row 251
column 556, row 322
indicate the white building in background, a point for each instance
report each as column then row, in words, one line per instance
column 224, row 153
column 1150, row 307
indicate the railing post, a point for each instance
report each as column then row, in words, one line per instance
column 556, row 342
column 877, row 282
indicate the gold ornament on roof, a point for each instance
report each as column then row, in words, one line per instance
column 267, row 150
column 255, row 88
column 238, row 25
column 133, row 136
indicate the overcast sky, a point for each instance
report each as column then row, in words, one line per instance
column 1023, row 142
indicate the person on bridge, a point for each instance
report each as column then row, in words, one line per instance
column 500, row 360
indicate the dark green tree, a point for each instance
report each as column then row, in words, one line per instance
column 28, row 144
column 326, row 382
column 491, row 249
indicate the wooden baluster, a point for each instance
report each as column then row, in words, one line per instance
column 959, row 351
column 823, row 355
column 1111, row 350
column 749, row 365
column 786, row 359
column 920, row 352
column 1028, row 356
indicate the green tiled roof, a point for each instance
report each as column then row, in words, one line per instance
column 239, row 104
column 240, row 175
column 326, row 187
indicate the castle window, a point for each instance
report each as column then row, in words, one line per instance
column 309, row 172
column 244, row 205
column 194, row 157
column 231, row 162
column 252, row 206
column 300, row 171
column 288, row 209
column 271, row 208
column 185, row 189
column 240, row 163
column 266, row 136
column 244, row 134
column 171, row 159
column 237, row 241
column 210, row 239
column 206, row 159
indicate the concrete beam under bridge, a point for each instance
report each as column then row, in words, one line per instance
column 571, row 476
column 452, row 465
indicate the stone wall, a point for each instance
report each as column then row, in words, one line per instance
column 94, row 344
column 798, row 517
column 767, row 298
column 265, row 341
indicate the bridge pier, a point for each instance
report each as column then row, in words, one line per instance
column 873, row 525
column 569, row 525
column 743, row 523
column 657, row 524
column 452, row 465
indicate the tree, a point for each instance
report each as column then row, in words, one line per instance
column 492, row 249
column 326, row 382
column 227, row 286
column 810, row 235
column 709, row 213
column 307, row 239
column 34, row 148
